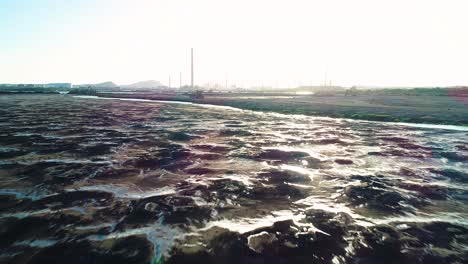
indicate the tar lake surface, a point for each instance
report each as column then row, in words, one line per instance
column 88, row 180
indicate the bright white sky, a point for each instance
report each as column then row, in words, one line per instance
column 278, row 43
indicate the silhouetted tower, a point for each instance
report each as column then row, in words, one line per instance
column 191, row 56
column 180, row 79
column 325, row 82
column 169, row 81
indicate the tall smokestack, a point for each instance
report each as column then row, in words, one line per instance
column 180, row 79
column 192, row 67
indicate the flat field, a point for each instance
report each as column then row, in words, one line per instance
column 450, row 110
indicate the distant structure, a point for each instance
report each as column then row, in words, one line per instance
column 325, row 82
column 180, row 80
column 191, row 56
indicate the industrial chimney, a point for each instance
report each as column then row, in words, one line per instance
column 192, row 67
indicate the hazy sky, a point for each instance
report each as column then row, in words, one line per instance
column 362, row 42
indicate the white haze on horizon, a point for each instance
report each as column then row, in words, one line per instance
column 251, row 43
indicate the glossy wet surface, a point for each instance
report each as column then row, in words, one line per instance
column 93, row 180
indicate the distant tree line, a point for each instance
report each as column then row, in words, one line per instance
column 84, row 91
column 29, row 88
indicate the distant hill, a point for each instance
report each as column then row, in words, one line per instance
column 99, row 85
column 150, row 84
column 143, row 85
column 106, row 85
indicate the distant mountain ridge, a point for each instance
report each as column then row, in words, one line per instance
column 106, row 85
column 138, row 85
column 144, row 84
column 99, row 85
